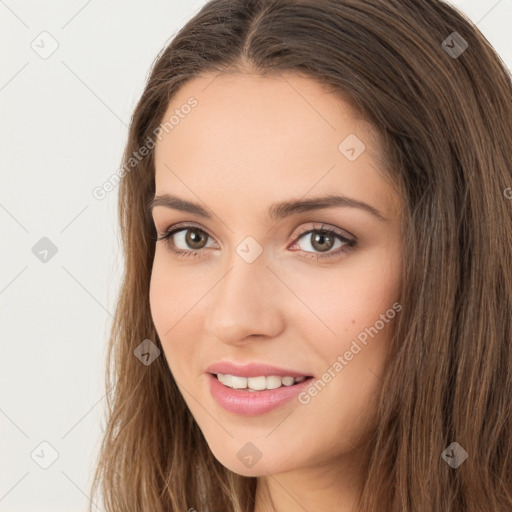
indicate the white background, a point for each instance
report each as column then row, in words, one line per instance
column 64, row 125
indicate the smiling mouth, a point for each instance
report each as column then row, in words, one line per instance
column 260, row 383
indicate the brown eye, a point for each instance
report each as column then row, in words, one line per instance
column 185, row 239
column 322, row 241
column 195, row 238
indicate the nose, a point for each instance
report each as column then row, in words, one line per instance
column 246, row 302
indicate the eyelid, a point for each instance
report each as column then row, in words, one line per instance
column 301, row 231
column 183, row 226
column 326, row 227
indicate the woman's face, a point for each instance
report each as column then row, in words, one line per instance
column 260, row 288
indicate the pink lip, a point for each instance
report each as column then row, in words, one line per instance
column 252, row 370
column 251, row 403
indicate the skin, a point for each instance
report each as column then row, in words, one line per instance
column 250, row 142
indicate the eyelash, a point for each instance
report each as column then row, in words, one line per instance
column 349, row 243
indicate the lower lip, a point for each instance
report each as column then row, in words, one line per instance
column 251, row 403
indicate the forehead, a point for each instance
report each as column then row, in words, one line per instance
column 251, row 136
column 249, row 108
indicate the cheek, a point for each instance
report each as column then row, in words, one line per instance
column 172, row 291
column 347, row 302
column 357, row 309
column 161, row 294
column 170, row 300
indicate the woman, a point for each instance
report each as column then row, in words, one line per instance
column 316, row 307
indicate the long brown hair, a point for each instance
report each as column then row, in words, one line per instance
column 441, row 99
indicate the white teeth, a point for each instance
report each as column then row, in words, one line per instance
column 257, row 383
column 233, row 381
column 273, row 382
column 288, row 381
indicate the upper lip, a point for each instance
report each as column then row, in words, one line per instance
column 252, row 370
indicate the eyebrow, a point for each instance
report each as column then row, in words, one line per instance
column 276, row 211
